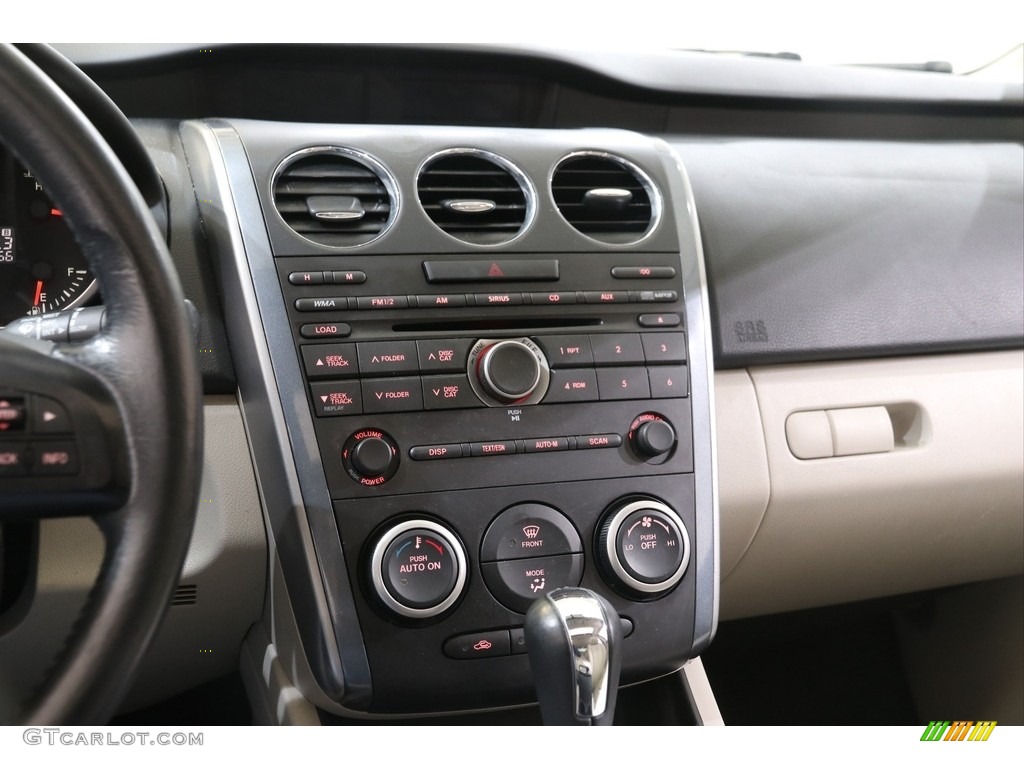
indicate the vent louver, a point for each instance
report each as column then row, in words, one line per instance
column 605, row 198
column 185, row 594
column 475, row 197
column 335, row 197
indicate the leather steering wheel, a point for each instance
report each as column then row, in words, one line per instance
column 132, row 392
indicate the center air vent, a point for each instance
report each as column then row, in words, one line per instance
column 605, row 197
column 335, row 197
column 475, row 196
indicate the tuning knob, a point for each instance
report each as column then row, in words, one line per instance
column 508, row 371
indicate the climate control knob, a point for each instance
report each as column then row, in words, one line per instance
column 508, row 371
column 418, row 569
column 643, row 547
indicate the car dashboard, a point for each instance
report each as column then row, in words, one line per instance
column 724, row 342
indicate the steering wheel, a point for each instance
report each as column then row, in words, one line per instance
column 132, row 456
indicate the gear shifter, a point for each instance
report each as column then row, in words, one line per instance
column 573, row 639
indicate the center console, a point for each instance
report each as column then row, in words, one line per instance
column 474, row 366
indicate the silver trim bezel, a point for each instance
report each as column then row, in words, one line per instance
column 525, row 184
column 653, row 193
column 375, row 165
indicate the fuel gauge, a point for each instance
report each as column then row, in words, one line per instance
column 41, row 266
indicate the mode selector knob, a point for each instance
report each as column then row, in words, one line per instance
column 507, row 371
column 643, row 547
column 417, row 568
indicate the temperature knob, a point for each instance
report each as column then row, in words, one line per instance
column 418, row 569
column 643, row 547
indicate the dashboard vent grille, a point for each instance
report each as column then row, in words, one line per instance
column 605, row 198
column 185, row 594
column 334, row 198
column 475, row 197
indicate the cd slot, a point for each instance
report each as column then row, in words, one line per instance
column 492, row 324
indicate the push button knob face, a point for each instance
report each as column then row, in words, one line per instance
column 370, row 457
column 643, row 547
column 418, row 569
column 509, row 371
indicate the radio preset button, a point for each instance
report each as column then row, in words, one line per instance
column 617, row 348
column 572, row 386
column 668, row 381
column 664, row 347
column 567, row 351
column 623, row 383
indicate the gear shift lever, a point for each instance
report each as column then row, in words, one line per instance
column 573, row 638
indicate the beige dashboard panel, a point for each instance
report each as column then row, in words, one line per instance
column 944, row 506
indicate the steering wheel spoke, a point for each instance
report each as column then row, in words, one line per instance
column 62, row 445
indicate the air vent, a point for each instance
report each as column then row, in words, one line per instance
column 606, row 198
column 475, row 196
column 185, row 594
column 335, row 197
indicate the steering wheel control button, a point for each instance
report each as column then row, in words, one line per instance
column 392, row 395
column 444, row 392
column 664, row 347
column 50, row 417
column 508, row 371
column 623, row 384
column 377, row 358
column 443, row 355
column 572, row 386
column 617, row 348
column 337, row 398
column 55, row 458
column 13, row 460
column 370, row 457
column 418, row 569
column 330, row 361
column 651, row 437
column 478, row 645
column 517, row 583
column 529, row 531
column 12, row 415
column 643, row 547
column 325, row 330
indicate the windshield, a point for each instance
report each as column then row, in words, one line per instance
column 967, row 36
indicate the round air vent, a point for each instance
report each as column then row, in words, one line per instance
column 475, row 196
column 606, row 198
column 335, row 197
